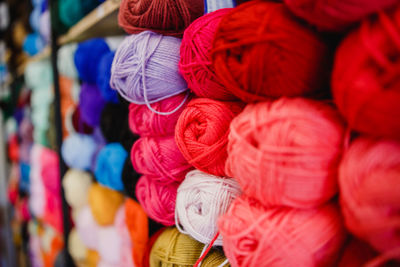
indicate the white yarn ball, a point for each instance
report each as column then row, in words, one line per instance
column 87, row 228
column 110, row 244
column 76, row 184
column 201, row 199
column 76, row 247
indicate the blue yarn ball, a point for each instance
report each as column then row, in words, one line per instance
column 78, row 151
column 34, row 18
column 109, row 166
column 87, row 58
column 103, row 78
column 25, row 170
column 33, row 44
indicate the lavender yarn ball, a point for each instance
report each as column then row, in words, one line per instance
column 91, row 104
column 145, row 68
column 78, row 151
column 45, row 26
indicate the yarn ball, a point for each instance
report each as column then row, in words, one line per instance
column 195, row 62
column 369, row 184
column 201, row 199
column 126, row 257
column 45, row 26
column 159, row 157
column 92, row 258
column 257, row 58
column 38, row 74
column 336, row 15
column 76, row 247
column 254, row 235
column 145, row 68
column 25, row 130
column 34, row 19
column 78, row 124
column 145, row 122
column 365, row 88
column 109, row 165
column 78, row 151
column 76, row 184
column 129, row 178
column 356, row 253
column 65, row 62
column 110, row 245
column 87, row 228
column 91, row 104
column 33, row 44
column 158, row 200
column 87, row 58
column 287, row 152
column 113, row 122
column 168, row 17
column 202, row 133
column 175, row 249
column 138, row 226
column 72, row 11
column 103, row 78
column 50, row 171
column 104, row 204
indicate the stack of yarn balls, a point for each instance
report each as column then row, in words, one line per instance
column 255, row 129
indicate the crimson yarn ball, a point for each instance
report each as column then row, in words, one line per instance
column 287, row 152
column 202, row 133
column 159, row 157
column 254, row 235
column 369, row 178
column 167, row 17
column 145, row 122
column 365, row 81
column 195, row 62
column 336, row 15
column 157, row 199
column 261, row 51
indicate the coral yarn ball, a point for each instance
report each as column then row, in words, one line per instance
column 365, row 81
column 261, row 51
column 337, row 15
column 168, row 17
column 202, row 133
column 287, row 152
column 254, row 235
column 195, row 62
column 369, row 178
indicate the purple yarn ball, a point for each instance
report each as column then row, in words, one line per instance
column 91, row 103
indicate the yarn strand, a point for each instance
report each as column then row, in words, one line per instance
column 204, row 253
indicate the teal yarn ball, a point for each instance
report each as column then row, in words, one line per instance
column 65, row 61
column 72, row 11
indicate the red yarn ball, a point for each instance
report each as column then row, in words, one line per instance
column 195, row 63
column 202, row 133
column 261, row 51
column 365, row 81
column 356, row 253
column 157, row 200
column 159, row 157
column 336, row 15
column 168, row 17
column 369, row 179
column 254, row 235
column 145, row 122
column 287, row 152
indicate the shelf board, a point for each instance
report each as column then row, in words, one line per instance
column 101, row 22
column 45, row 53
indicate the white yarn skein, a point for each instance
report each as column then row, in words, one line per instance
column 76, row 184
column 200, row 200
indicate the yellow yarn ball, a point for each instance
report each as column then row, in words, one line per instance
column 104, row 204
column 174, row 249
column 92, row 258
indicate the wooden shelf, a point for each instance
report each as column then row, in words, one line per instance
column 46, row 52
column 101, row 22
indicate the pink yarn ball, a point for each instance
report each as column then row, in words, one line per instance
column 369, row 178
column 145, row 122
column 254, row 235
column 157, row 200
column 287, row 152
column 126, row 254
column 50, row 170
column 110, row 244
column 195, row 62
column 159, row 157
column 87, row 228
